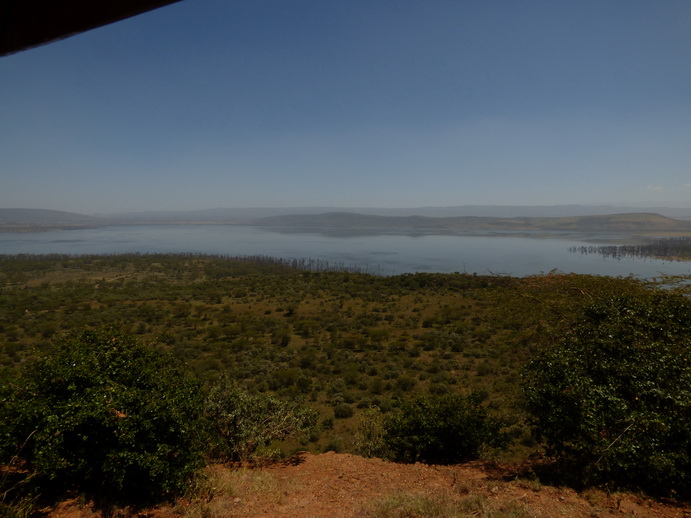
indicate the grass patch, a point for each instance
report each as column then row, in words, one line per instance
column 220, row 491
column 443, row 505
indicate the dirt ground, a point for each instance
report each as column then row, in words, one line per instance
column 340, row 485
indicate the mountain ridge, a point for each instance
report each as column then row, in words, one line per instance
column 241, row 214
column 629, row 222
column 36, row 220
column 23, row 220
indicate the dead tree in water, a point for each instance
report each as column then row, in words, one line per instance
column 673, row 248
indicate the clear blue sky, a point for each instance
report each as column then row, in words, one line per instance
column 358, row 103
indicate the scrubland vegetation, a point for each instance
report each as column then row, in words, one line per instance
column 158, row 363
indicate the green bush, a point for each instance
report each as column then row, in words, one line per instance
column 343, row 411
column 369, row 436
column 440, row 429
column 103, row 415
column 613, row 398
column 243, row 422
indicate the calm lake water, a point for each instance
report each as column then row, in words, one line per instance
column 387, row 253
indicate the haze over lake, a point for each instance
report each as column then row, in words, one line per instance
column 386, row 253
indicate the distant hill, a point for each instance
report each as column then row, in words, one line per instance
column 27, row 220
column 634, row 222
column 531, row 211
column 222, row 215
column 428, row 219
column 242, row 215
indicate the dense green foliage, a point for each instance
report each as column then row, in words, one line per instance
column 121, row 422
column 105, row 415
column 243, row 422
column 359, row 349
column 333, row 337
column 613, row 397
column 444, row 429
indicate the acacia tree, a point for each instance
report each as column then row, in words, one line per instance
column 104, row 415
column 612, row 399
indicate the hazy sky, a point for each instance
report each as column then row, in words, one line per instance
column 390, row 103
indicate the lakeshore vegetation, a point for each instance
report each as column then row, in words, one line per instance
column 263, row 358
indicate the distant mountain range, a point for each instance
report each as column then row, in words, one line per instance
column 573, row 218
column 241, row 215
column 631, row 222
column 22, row 220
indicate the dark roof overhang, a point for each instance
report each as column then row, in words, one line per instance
column 29, row 23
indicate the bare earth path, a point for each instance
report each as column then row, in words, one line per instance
column 340, row 485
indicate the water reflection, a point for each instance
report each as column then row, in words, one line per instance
column 389, row 252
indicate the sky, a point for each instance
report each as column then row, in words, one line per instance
column 355, row 103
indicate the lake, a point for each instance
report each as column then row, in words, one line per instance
column 387, row 253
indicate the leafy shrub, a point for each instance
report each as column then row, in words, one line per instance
column 613, row 397
column 335, row 445
column 104, row 415
column 327, row 423
column 244, row 422
column 369, row 436
column 440, row 429
column 406, row 383
column 343, row 411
